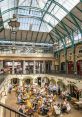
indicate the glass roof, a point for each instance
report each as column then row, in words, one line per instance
column 36, row 15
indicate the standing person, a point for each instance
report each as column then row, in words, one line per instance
column 54, row 90
column 57, row 109
column 10, row 88
column 64, row 108
column 78, row 94
column 59, row 91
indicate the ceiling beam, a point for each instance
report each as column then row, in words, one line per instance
column 31, row 36
column 26, row 35
column 41, row 36
column 46, row 38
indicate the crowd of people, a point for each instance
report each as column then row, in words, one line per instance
column 48, row 100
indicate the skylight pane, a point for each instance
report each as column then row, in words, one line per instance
column 33, row 11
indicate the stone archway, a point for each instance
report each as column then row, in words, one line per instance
column 27, row 80
column 15, row 81
column 52, row 81
column 41, row 81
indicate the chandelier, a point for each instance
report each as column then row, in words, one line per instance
column 14, row 24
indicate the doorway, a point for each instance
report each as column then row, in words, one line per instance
column 27, row 81
column 63, row 67
column 70, row 67
column 15, row 81
column 39, row 81
column 79, row 67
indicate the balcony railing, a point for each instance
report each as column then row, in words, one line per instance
column 6, row 111
column 28, row 55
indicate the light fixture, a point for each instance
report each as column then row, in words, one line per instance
column 14, row 24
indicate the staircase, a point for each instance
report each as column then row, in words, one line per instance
column 6, row 111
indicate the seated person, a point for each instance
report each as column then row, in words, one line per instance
column 29, row 105
column 57, row 109
column 63, row 106
column 68, row 107
column 19, row 99
column 44, row 109
column 50, row 112
column 30, row 111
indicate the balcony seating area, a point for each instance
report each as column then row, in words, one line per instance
column 33, row 100
column 40, row 58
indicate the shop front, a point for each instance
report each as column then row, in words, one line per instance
column 63, row 67
column 79, row 67
column 70, row 67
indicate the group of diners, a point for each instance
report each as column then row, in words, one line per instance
column 48, row 100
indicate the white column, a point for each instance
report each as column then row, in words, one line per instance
column 34, row 70
column 39, row 67
column 13, row 67
column 1, row 65
column 21, row 82
column 52, row 67
column 24, row 68
column 33, row 80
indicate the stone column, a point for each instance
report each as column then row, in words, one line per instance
column 66, row 63
column 39, row 66
column 21, row 82
column 48, row 67
column 43, row 69
column 24, row 68
column 1, row 66
column 34, row 70
column 52, row 67
column 13, row 67
column 75, row 65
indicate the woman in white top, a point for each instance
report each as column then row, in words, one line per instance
column 68, row 107
column 57, row 109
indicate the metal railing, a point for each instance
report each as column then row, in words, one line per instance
column 6, row 111
column 66, row 75
column 2, row 78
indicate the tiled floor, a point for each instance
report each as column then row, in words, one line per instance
column 11, row 101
